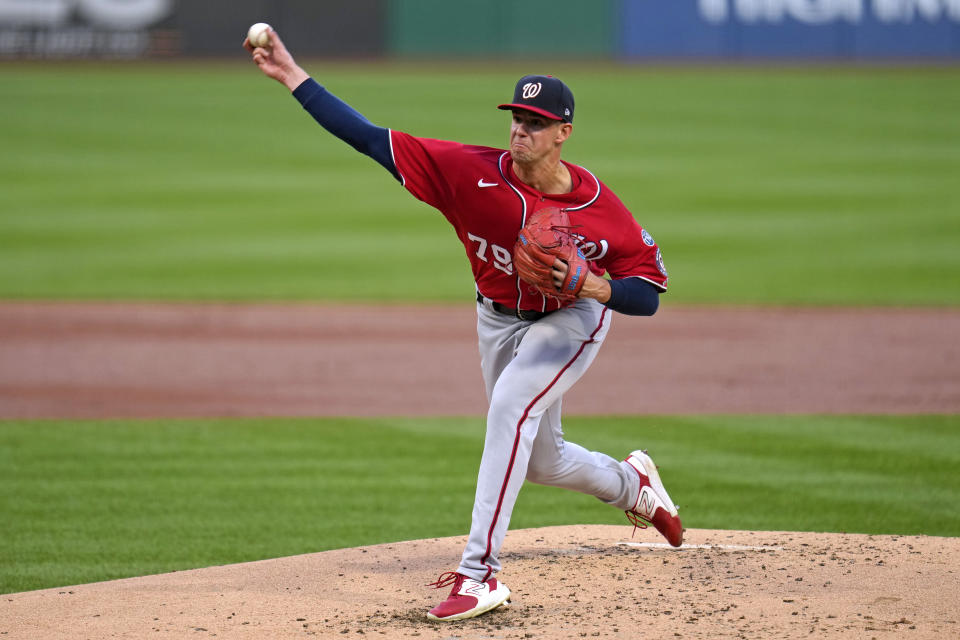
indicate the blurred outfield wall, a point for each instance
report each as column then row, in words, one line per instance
column 604, row 29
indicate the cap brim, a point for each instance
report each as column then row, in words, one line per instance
column 523, row 107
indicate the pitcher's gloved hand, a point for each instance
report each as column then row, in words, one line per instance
column 547, row 237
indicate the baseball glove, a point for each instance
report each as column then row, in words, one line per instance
column 547, row 236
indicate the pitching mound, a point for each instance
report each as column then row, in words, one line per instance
column 567, row 582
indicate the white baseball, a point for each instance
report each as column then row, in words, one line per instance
column 259, row 34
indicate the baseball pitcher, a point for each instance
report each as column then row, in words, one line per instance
column 540, row 234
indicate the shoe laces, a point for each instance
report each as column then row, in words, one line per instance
column 448, row 578
column 638, row 521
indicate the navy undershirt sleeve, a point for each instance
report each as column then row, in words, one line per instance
column 343, row 121
column 633, row 297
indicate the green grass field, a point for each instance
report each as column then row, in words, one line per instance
column 783, row 186
column 86, row 501
column 800, row 186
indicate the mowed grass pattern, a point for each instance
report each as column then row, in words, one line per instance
column 88, row 501
column 207, row 181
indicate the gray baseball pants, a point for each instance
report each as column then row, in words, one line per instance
column 527, row 367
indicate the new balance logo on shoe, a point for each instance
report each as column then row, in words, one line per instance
column 468, row 598
column 646, row 505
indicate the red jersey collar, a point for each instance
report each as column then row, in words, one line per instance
column 586, row 188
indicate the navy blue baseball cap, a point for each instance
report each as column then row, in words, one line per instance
column 543, row 95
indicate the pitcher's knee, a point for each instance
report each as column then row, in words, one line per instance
column 541, row 474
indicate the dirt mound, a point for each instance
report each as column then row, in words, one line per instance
column 567, row 582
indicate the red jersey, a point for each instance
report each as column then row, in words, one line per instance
column 477, row 191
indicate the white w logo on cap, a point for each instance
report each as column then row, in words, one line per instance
column 531, row 90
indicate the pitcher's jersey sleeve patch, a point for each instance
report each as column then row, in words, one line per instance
column 632, row 251
column 635, row 258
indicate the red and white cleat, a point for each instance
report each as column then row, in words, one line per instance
column 468, row 598
column 653, row 505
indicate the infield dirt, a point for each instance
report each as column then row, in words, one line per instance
column 81, row 360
